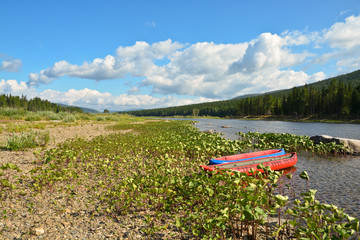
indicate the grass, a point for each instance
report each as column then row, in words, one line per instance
column 25, row 140
column 21, row 114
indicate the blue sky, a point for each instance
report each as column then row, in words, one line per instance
column 121, row 55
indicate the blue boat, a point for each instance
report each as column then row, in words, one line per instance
column 247, row 156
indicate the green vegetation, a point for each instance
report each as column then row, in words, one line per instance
column 64, row 116
column 152, row 169
column 336, row 98
column 315, row 220
column 6, row 184
column 25, row 140
column 35, row 104
column 290, row 143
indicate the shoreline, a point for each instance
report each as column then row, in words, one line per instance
column 270, row 118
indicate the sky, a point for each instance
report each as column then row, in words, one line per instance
column 142, row 54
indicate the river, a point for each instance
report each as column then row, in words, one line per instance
column 337, row 179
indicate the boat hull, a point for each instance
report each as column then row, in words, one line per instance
column 247, row 156
column 275, row 163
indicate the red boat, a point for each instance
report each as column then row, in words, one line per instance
column 275, row 163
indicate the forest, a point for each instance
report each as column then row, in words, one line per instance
column 335, row 98
column 34, row 104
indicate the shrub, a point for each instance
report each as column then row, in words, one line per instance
column 69, row 118
column 100, row 118
column 31, row 116
column 27, row 140
column 50, row 115
column 10, row 112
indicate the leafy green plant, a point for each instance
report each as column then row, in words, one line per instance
column 6, row 185
column 289, row 142
column 314, row 220
column 154, row 170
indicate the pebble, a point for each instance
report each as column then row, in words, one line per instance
column 37, row 231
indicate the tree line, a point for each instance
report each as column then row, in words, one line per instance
column 334, row 98
column 338, row 99
column 34, row 104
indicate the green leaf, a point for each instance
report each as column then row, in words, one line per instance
column 211, row 191
column 304, row 175
column 280, row 199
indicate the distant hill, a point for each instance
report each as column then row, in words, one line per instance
column 337, row 97
column 248, row 95
column 352, row 78
column 89, row 110
column 85, row 110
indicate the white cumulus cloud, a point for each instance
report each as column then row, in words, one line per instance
column 12, row 87
column 344, row 35
column 269, row 51
column 95, row 99
column 198, row 70
column 343, row 38
column 205, row 69
column 11, row 65
column 136, row 60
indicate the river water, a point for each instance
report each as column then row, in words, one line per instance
column 337, row 179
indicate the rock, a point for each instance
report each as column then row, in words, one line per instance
column 37, row 231
column 324, row 139
column 353, row 144
column 208, row 131
column 225, row 126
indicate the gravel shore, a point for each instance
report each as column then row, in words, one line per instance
column 67, row 213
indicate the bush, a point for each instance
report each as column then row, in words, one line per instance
column 10, row 112
column 27, row 140
column 69, row 118
column 100, row 118
column 50, row 115
column 31, row 116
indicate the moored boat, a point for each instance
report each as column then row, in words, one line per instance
column 247, row 156
column 274, row 162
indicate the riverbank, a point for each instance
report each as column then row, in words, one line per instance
column 325, row 119
column 309, row 119
column 130, row 179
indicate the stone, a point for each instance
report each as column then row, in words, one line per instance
column 37, row 231
column 353, row 144
column 209, row 131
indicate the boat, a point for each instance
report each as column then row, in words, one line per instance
column 247, row 156
column 275, row 163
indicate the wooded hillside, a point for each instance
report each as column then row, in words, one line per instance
column 35, row 104
column 337, row 97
